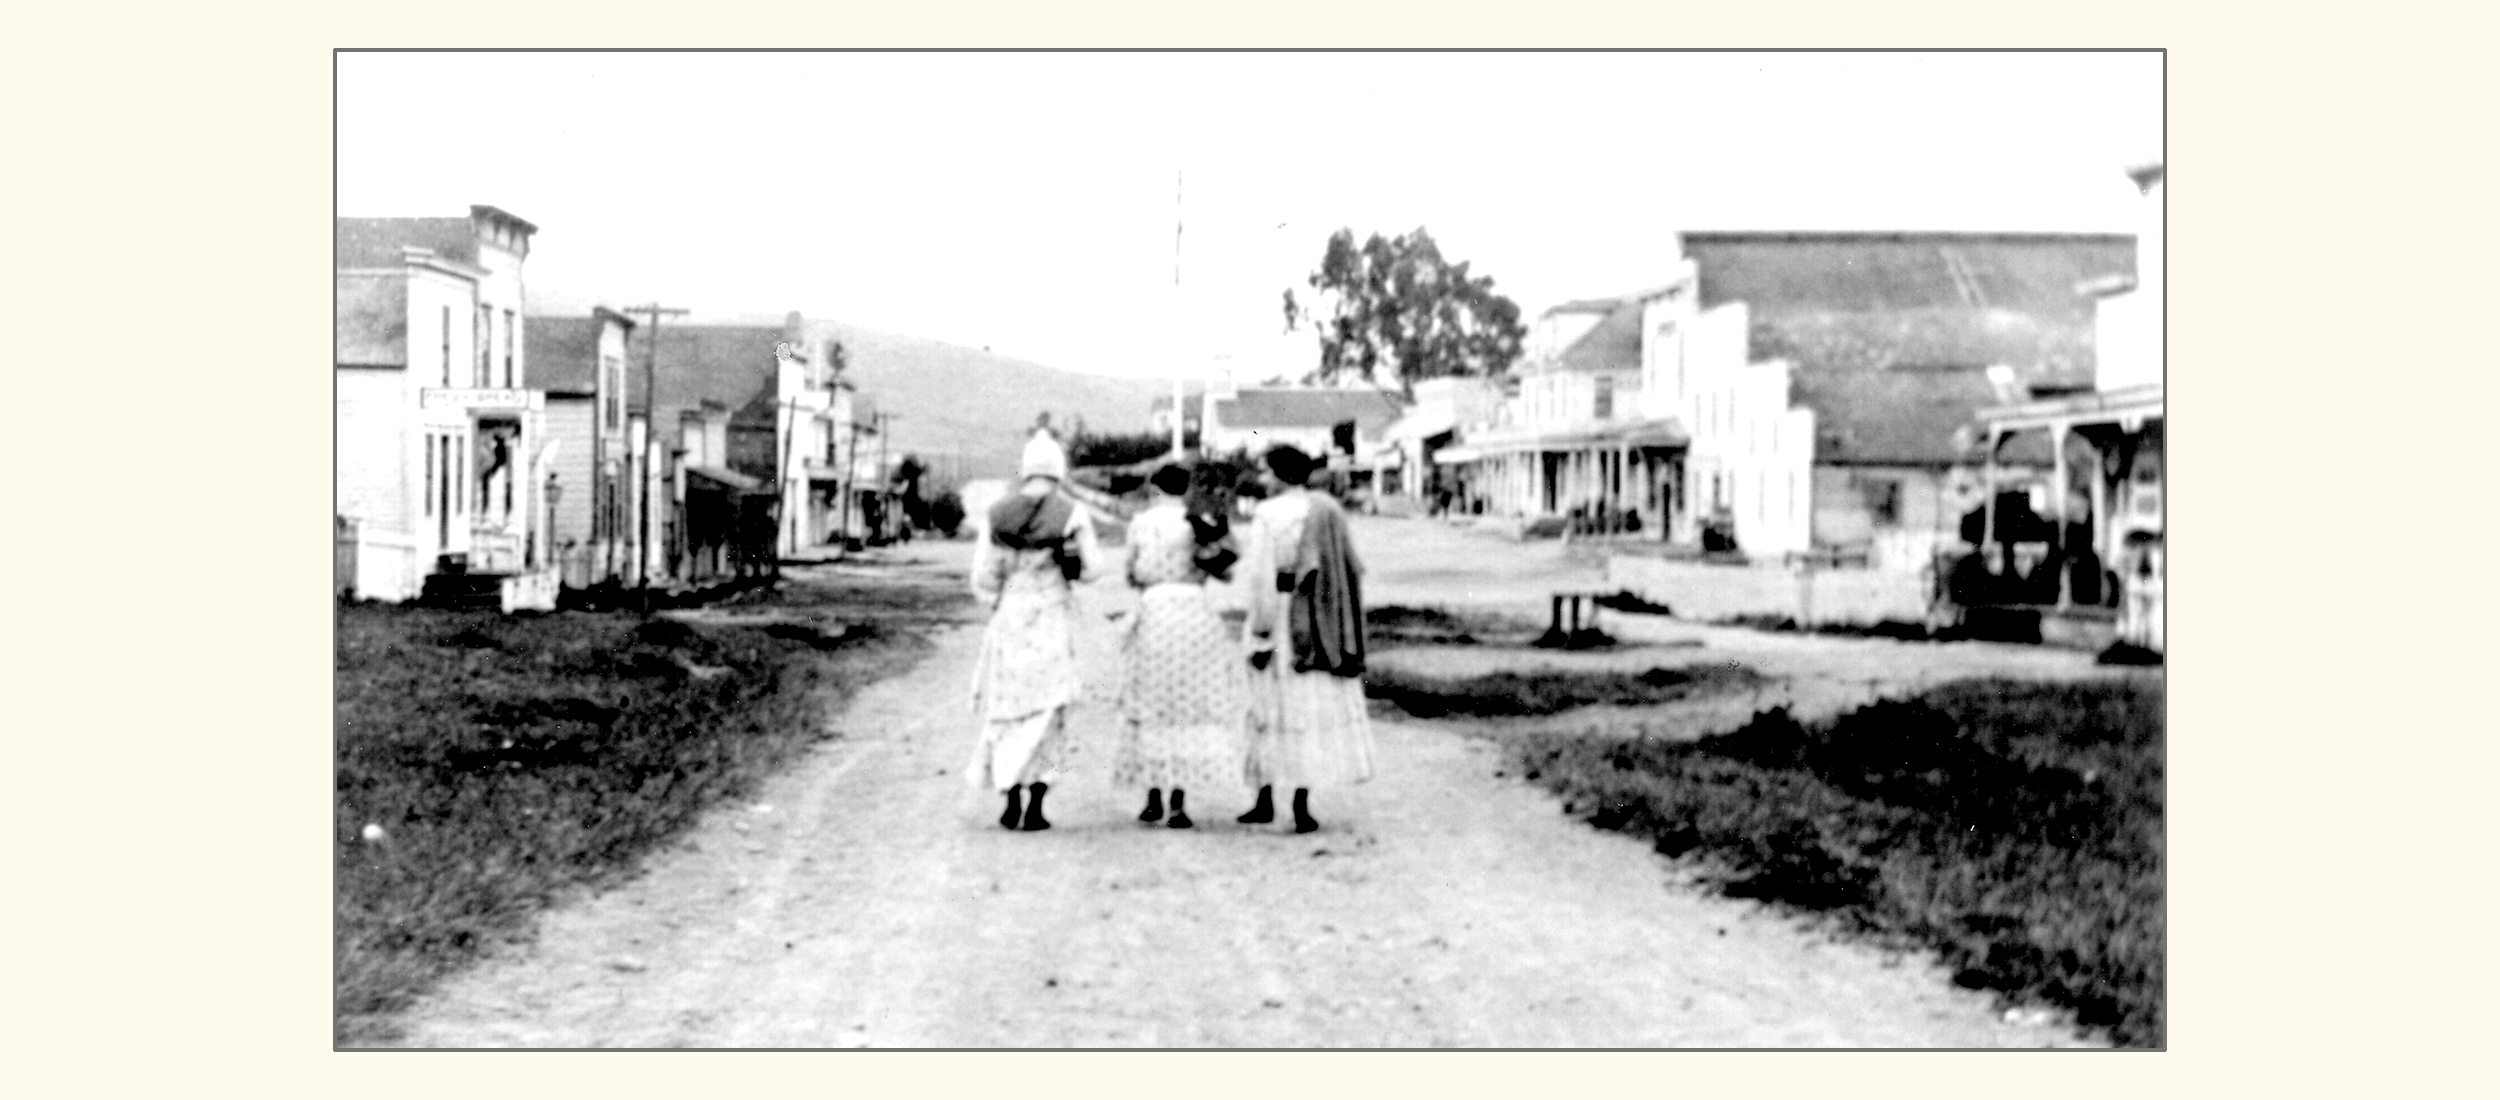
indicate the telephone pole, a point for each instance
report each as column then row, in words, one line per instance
column 650, row 432
column 1179, row 413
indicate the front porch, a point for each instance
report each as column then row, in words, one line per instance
column 2090, row 564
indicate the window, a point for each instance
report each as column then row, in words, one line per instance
column 446, row 346
column 483, row 334
column 429, row 465
column 511, row 336
column 613, row 373
column 1605, row 396
column 1883, row 501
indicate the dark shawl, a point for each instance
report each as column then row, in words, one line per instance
column 1326, row 616
column 1020, row 522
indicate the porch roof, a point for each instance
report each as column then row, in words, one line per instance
column 1665, row 432
column 2129, row 406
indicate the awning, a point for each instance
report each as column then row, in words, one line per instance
column 1633, row 434
column 1419, row 424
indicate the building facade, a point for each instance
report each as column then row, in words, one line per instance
column 579, row 362
column 442, row 451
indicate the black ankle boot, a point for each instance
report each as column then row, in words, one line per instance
column 1033, row 822
column 1262, row 811
column 1015, row 809
column 1303, row 822
column 1154, row 805
column 1180, row 817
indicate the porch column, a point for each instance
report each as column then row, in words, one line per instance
column 1988, row 492
column 2057, row 466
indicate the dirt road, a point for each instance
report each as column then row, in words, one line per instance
column 867, row 897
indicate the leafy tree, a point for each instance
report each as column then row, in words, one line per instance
column 1394, row 311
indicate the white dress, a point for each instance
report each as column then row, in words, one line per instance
column 1307, row 729
column 1027, row 674
column 1183, row 681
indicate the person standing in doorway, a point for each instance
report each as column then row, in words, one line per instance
column 1309, row 726
column 1182, row 687
column 1040, row 544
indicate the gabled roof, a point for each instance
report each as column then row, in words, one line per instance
column 1614, row 344
column 1308, row 408
column 2031, row 273
column 1869, row 301
column 726, row 364
column 376, row 242
column 562, row 353
column 1910, row 416
column 1585, row 305
column 372, row 319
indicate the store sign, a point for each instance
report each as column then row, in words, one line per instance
column 494, row 400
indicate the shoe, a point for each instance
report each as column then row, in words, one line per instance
column 1154, row 807
column 1263, row 811
column 1180, row 821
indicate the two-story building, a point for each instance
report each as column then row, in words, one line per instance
column 1831, row 385
column 1573, row 440
column 442, row 451
column 579, row 362
column 2104, row 486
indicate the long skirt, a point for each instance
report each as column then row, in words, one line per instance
column 1022, row 686
column 1307, row 729
column 1016, row 751
column 1183, row 693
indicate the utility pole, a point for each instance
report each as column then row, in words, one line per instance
column 1178, row 413
column 650, row 433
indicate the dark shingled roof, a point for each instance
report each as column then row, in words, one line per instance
column 1873, row 300
column 376, row 242
column 1613, row 344
column 1586, row 305
column 562, row 353
column 1309, row 408
column 372, row 326
column 727, row 364
column 1902, row 417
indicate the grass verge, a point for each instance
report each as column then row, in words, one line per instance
column 508, row 759
column 2015, row 827
column 1546, row 691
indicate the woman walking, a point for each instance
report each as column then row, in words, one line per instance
column 1039, row 544
column 1309, row 725
column 1182, row 683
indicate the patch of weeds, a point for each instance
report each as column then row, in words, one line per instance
column 2015, row 827
column 507, row 759
column 1509, row 694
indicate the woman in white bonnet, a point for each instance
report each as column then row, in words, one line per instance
column 1039, row 544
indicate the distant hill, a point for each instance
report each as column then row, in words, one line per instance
column 976, row 406
column 964, row 410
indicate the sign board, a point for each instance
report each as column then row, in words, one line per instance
column 485, row 399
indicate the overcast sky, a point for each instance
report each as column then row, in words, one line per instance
column 1026, row 202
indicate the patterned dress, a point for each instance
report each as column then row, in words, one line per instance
column 1026, row 676
column 1307, row 729
column 1183, row 681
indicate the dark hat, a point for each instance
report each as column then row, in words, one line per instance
column 1289, row 463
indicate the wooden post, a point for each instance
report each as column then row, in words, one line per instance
column 2057, row 484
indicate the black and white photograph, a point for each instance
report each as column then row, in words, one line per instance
column 1250, row 550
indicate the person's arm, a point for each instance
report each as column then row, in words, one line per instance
column 989, row 571
column 1089, row 554
column 1130, row 553
column 1259, row 584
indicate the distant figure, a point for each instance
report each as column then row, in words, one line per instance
column 1038, row 544
column 1182, row 687
column 1309, row 724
